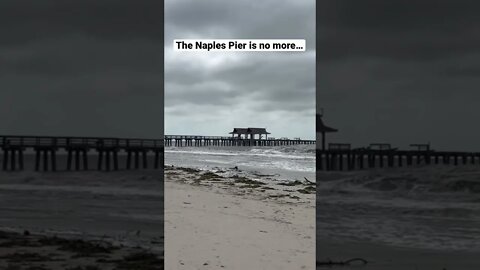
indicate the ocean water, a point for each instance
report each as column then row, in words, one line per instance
column 431, row 207
column 124, row 206
column 285, row 162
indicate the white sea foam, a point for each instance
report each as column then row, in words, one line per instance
column 291, row 162
column 436, row 207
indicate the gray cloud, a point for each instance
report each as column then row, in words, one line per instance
column 400, row 72
column 91, row 68
column 240, row 89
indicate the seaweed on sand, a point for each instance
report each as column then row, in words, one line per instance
column 278, row 195
column 188, row 170
column 81, row 247
column 291, row 183
column 247, row 183
column 350, row 262
column 308, row 190
column 298, row 183
column 142, row 260
column 19, row 242
column 25, row 257
column 210, row 176
column 86, row 267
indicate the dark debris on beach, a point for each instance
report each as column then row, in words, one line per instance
column 30, row 251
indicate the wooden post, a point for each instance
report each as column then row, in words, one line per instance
column 107, row 159
column 349, row 161
column 323, row 141
column 5, row 159
column 20, row 159
column 69, row 159
column 156, row 159
column 129, row 157
column 37, row 159
column 100, row 159
column 115, row 160
column 340, row 161
column 137, row 160
column 12, row 161
column 53, row 157
column 85, row 159
column 360, row 160
column 45, row 160
column 144, row 159
column 77, row 159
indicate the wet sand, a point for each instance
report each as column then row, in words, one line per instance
column 123, row 208
column 380, row 256
column 34, row 251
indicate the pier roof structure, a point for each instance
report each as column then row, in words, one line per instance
column 322, row 128
column 250, row 131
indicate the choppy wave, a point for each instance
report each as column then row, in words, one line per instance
column 432, row 207
column 292, row 160
column 289, row 152
column 429, row 180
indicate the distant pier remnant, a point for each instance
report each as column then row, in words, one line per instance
column 340, row 156
column 221, row 141
column 249, row 133
column 322, row 128
column 240, row 137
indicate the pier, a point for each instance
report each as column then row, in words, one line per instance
column 192, row 140
column 46, row 150
column 110, row 153
column 240, row 137
column 340, row 157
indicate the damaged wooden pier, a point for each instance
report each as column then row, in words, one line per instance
column 77, row 150
column 339, row 157
column 192, row 140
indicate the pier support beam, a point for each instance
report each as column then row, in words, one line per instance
column 12, row 158
column 45, row 158
column 79, row 155
column 107, row 158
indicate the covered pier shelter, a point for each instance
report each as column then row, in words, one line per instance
column 322, row 129
column 250, row 133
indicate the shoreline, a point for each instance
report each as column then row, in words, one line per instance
column 399, row 219
column 121, row 208
column 41, row 251
column 222, row 222
column 383, row 256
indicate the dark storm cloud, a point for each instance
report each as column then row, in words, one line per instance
column 259, row 79
column 241, row 19
column 29, row 20
column 240, row 89
column 400, row 71
column 397, row 29
column 90, row 68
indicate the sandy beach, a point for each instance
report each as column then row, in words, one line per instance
column 220, row 222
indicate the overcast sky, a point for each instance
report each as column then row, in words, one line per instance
column 83, row 67
column 401, row 71
column 211, row 93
